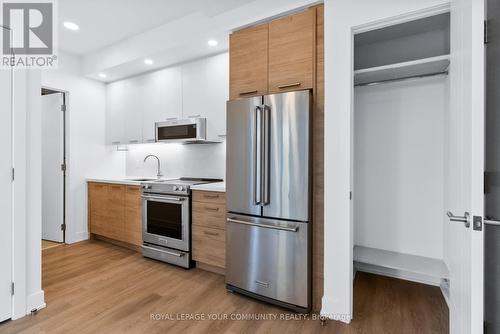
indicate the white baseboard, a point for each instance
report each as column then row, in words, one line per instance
column 77, row 237
column 35, row 301
column 327, row 311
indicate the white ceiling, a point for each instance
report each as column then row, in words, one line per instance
column 106, row 22
column 116, row 36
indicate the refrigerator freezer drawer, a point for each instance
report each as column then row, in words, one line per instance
column 269, row 258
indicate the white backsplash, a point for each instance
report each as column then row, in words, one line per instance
column 177, row 160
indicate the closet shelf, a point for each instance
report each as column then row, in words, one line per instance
column 410, row 69
column 405, row 262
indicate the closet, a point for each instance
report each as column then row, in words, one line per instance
column 401, row 99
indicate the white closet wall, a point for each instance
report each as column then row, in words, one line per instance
column 398, row 166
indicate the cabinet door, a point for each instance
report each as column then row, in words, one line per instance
column 205, row 92
column 133, row 105
column 248, row 62
column 162, row 99
column 133, row 216
column 291, row 52
column 98, row 207
column 115, row 120
column 115, row 212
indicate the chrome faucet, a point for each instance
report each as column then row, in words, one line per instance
column 158, row 172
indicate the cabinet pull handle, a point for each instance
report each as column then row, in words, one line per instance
column 211, row 233
column 193, row 116
column 170, row 118
column 115, row 143
column 248, row 92
column 295, row 84
column 133, row 141
column 211, row 196
column 211, row 209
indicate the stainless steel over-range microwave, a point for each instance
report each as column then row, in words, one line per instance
column 182, row 130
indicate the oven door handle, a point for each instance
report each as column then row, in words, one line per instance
column 161, row 198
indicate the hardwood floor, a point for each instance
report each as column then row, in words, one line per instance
column 46, row 244
column 95, row 287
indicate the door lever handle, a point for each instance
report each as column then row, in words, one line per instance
column 460, row 219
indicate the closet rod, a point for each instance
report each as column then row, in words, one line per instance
column 402, row 79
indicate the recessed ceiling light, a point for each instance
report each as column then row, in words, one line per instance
column 212, row 42
column 102, row 75
column 71, row 25
column 148, row 61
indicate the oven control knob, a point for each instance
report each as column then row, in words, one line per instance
column 180, row 188
column 175, row 188
column 146, row 186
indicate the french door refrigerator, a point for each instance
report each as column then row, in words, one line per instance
column 268, row 203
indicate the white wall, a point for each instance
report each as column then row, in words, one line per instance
column 341, row 16
column 399, row 132
column 27, row 194
column 177, row 160
column 87, row 153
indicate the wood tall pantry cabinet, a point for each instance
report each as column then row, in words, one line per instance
column 273, row 57
column 283, row 55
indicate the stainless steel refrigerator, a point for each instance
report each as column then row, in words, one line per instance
column 268, row 191
column 492, row 173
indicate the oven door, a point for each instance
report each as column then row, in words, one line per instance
column 165, row 221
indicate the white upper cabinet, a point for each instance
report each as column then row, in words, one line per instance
column 115, row 121
column 124, row 112
column 205, row 90
column 162, row 99
column 195, row 89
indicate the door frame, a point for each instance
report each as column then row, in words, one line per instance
column 65, row 98
column 337, row 302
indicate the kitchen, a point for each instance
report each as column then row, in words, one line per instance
column 209, row 179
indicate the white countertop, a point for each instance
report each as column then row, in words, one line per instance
column 216, row 186
column 127, row 180
column 132, row 181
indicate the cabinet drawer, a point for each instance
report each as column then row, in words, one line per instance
column 291, row 52
column 209, row 215
column 209, row 246
column 209, row 197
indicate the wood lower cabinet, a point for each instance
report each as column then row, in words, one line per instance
column 291, row 52
column 209, row 228
column 248, row 62
column 115, row 212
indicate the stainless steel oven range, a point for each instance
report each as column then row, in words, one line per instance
column 166, row 219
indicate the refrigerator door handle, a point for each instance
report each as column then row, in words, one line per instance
column 265, row 154
column 256, row 154
column 272, row 227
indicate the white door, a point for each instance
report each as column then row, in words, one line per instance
column 52, row 174
column 5, row 195
column 465, row 166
